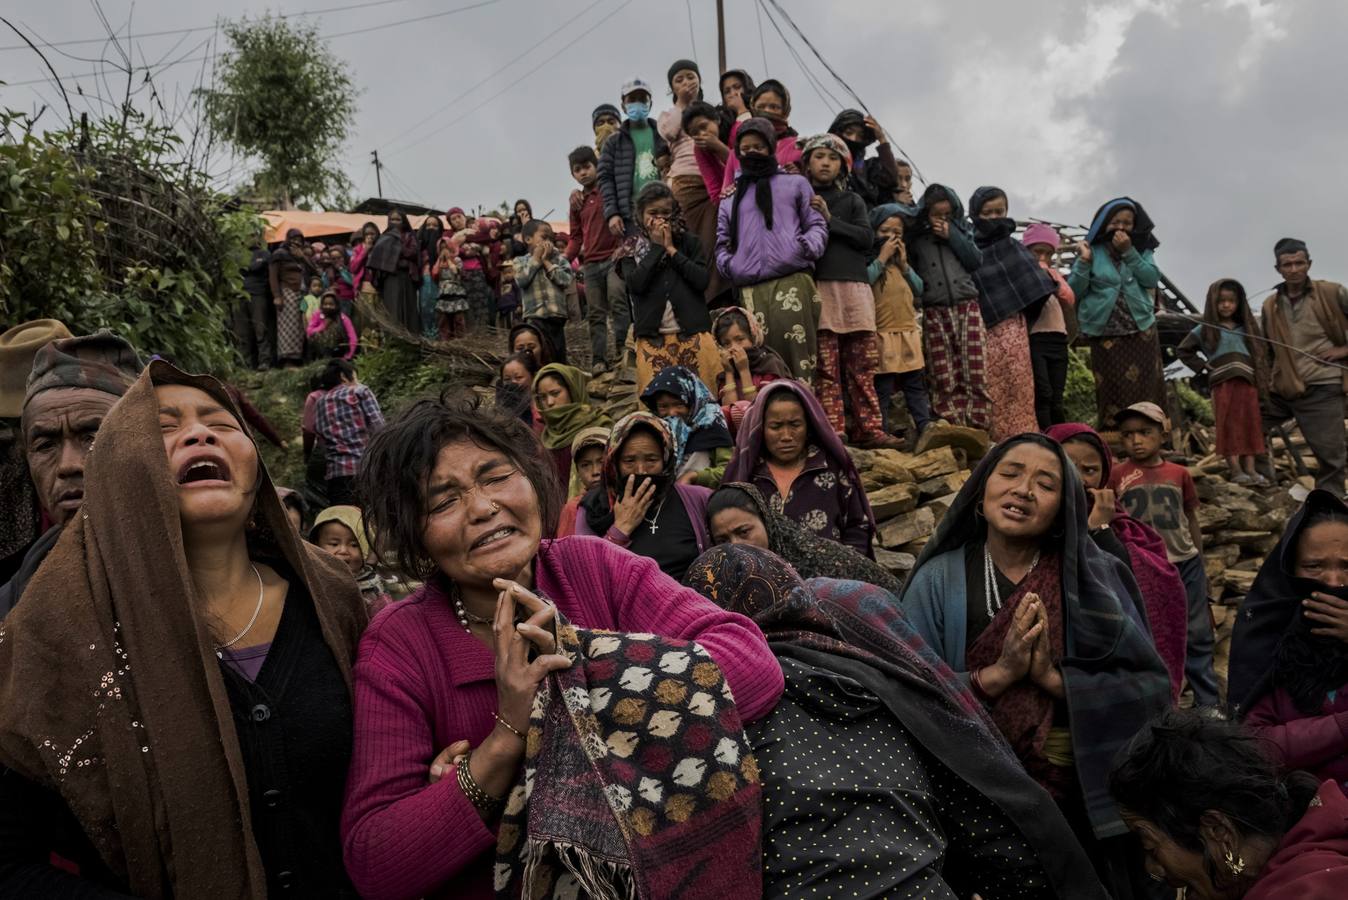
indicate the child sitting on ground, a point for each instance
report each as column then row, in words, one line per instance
column 895, row 286
column 1048, row 330
column 515, row 388
column 587, row 470
column 1222, row 346
column 848, row 353
column 1163, row 495
column 702, row 442
column 543, row 275
column 340, row 530
column 746, row 364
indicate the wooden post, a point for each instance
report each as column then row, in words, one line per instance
column 720, row 35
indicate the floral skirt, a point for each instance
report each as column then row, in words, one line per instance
column 1127, row 370
column 1010, row 378
column 787, row 308
column 697, row 352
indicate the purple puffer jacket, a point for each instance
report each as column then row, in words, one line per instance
column 798, row 236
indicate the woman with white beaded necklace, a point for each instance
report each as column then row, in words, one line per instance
column 445, row 680
column 1014, row 595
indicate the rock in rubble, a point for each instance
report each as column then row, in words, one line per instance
column 892, row 500
column 898, row 564
column 972, row 441
column 904, row 529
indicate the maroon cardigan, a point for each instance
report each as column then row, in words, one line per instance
column 1317, row 743
column 422, row 683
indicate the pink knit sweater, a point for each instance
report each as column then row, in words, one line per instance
column 422, row 683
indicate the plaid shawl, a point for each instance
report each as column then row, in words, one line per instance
column 1114, row 679
column 1010, row 280
column 859, row 631
column 638, row 780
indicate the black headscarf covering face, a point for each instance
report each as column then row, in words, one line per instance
column 755, row 171
column 1272, row 645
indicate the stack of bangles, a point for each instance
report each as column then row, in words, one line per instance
column 480, row 799
column 976, row 683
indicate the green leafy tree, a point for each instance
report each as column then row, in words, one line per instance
column 282, row 98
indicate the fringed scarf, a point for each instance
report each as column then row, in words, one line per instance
column 638, row 781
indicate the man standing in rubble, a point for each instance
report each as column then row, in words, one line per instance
column 1309, row 381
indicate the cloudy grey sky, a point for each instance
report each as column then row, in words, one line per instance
column 1220, row 116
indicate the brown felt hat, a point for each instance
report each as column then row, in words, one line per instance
column 18, row 346
column 100, row 362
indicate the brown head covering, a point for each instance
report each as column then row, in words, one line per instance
column 110, row 690
column 101, row 362
column 18, row 345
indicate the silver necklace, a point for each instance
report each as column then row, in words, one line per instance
column 991, row 592
column 251, row 622
column 652, row 520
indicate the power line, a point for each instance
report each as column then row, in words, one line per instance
column 692, row 37
column 762, row 45
column 147, row 34
column 810, row 79
column 468, row 90
column 134, row 69
column 564, row 48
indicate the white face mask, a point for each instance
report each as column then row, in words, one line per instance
column 638, row 111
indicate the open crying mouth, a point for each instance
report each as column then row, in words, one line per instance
column 203, row 470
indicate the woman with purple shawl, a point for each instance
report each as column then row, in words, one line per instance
column 1135, row 543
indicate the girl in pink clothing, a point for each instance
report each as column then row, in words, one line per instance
column 1048, row 331
column 445, row 681
column 772, row 101
column 329, row 331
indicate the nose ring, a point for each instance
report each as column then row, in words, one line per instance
column 495, row 507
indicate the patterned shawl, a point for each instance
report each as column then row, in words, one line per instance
column 599, row 501
column 859, row 631
column 132, row 724
column 811, row 555
column 1162, row 589
column 638, row 780
column 1010, row 280
column 1114, row 679
column 749, row 440
column 704, row 428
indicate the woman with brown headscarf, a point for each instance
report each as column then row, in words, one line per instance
column 175, row 696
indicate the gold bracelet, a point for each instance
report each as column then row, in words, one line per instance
column 511, row 728
column 479, row 798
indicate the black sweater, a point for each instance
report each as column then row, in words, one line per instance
column 679, row 280
column 850, row 238
column 294, row 727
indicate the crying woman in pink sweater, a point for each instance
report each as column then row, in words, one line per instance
column 444, row 678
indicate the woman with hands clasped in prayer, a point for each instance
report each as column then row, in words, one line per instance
column 445, row 680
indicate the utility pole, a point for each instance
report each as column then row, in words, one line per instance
column 378, row 182
column 720, row 34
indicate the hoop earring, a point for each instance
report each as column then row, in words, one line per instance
column 1235, row 863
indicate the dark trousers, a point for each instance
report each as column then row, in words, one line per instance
column 253, row 322
column 914, row 387
column 554, row 329
column 1198, row 656
column 341, row 491
column 606, row 299
column 1319, row 415
column 1048, row 353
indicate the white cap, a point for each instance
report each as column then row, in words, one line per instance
column 636, row 84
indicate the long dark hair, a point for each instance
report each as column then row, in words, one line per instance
column 392, row 479
column 1245, row 318
column 1184, row 763
column 1308, row 666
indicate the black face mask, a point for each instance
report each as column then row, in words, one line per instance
column 857, row 149
column 661, row 482
column 756, row 166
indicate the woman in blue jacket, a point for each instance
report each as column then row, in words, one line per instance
column 1115, row 278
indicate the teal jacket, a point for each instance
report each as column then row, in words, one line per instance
column 1097, row 283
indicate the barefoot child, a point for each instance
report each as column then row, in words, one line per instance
column 895, row 286
column 1223, row 347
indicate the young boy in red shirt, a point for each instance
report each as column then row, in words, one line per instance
column 1162, row 494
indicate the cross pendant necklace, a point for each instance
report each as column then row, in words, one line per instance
column 650, row 523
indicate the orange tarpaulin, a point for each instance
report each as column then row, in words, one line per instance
column 338, row 224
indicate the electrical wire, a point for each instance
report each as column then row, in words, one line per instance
column 147, row 34
column 692, row 37
column 468, row 90
column 366, row 30
column 469, row 112
column 762, row 45
column 810, row 79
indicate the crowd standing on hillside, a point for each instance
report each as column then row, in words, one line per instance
column 525, row 650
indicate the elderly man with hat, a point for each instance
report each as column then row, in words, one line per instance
column 628, row 161
column 20, row 515
column 1308, row 321
column 72, row 385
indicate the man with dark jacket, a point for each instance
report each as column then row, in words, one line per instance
column 73, row 384
column 254, row 316
column 630, row 158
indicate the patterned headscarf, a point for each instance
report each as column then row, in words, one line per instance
column 101, row 362
column 763, row 360
column 705, row 426
column 632, row 751
column 598, row 502
column 827, row 142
